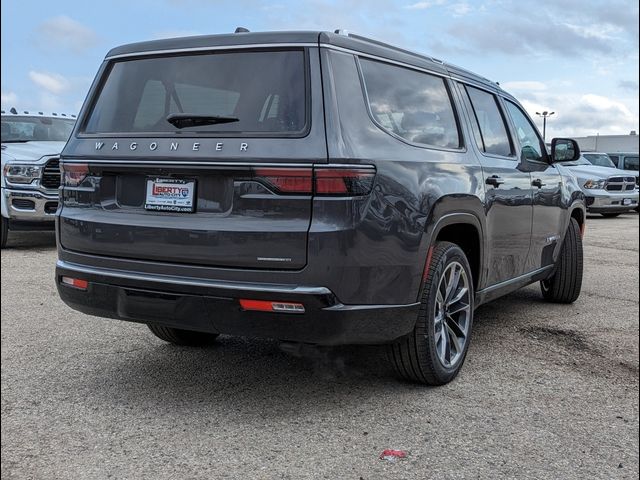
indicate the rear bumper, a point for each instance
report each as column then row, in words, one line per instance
column 213, row 306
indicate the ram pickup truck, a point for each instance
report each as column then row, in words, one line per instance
column 31, row 146
column 310, row 187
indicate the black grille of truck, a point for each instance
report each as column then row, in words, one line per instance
column 51, row 174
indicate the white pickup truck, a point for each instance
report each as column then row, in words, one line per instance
column 31, row 144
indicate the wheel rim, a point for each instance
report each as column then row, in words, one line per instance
column 452, row 315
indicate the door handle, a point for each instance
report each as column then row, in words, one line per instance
column 538, row 183
column 495, row 180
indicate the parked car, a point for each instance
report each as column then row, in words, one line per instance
column 608, row 190
column 625, row 161
column 310, row 187
column 31, row 145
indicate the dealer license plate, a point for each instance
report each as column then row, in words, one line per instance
column 170, row 194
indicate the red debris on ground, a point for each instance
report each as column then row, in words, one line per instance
column 392, row 455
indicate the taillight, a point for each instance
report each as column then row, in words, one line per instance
column 287, row 180
column 73, row 173
column 343, row 181
column 320, row 181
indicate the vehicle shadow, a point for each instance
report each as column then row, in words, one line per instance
column 242, row 376
column 27, row 240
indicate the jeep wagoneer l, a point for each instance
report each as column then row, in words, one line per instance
column 310, row 187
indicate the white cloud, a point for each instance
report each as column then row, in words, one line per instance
column 424, row 5
column 51, row 82
column 460, row 9
column 580, row 115
column 64, row 32
column 527, row 86
column 10, row 99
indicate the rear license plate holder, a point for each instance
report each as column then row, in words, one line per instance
column 165, row 194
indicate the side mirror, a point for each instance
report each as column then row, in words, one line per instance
column 564, row 150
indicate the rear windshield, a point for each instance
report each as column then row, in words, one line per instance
column 19, row 129
column 257, row 92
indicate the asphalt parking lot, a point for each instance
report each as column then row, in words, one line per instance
column 547, row 391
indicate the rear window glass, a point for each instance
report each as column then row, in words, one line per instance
column 413, row 105
column 256, row 92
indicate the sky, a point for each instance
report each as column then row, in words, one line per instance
column 578, row 58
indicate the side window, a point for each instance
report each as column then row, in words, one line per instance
column 413, row 105
column 530, row 142
column 631, row 163
column 493, row 131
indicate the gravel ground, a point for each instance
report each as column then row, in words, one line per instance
column 547, row 391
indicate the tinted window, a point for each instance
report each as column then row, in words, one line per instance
column 493, row 131
column 530, row 143
column 413, row 105
column 265, row 91
column 29, row 129
column 631, row 163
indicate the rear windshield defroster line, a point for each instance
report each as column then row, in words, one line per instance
column 266, row 90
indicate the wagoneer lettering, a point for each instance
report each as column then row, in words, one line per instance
column 384, row 197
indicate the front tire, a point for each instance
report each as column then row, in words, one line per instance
column 435, row 351
column 565, row 284
column 187, row 338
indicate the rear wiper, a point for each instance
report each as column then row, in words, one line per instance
column 183, row 120
column 15, row 141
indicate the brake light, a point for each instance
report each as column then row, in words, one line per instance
column 287, row 180
column 75, row 282
column 268, row 306
column 73, row 173
column 343, row 181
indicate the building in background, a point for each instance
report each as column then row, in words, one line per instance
column 609, row 143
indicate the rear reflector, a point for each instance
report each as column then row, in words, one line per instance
column 268, row 306
column 75, row 282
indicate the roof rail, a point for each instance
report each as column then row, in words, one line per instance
column 389, row 46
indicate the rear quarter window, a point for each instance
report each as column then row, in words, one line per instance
column 413, row 105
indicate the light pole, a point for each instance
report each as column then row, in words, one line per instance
column 544, row 116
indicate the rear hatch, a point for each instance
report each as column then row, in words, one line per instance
column 201, row 158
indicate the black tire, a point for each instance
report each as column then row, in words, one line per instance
column 4, row 231
column 610, row 215
column 416, row 357
column 565, row 284
column 187, row 338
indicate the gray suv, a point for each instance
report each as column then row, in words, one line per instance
column 310, row 187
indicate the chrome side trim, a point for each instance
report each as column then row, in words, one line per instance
column 210, row 48
column 168, row 279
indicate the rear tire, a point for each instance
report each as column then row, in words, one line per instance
column 610, row 215
column 4, row 232
column 444, row 321
column 565, row 284
column 187, row 338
